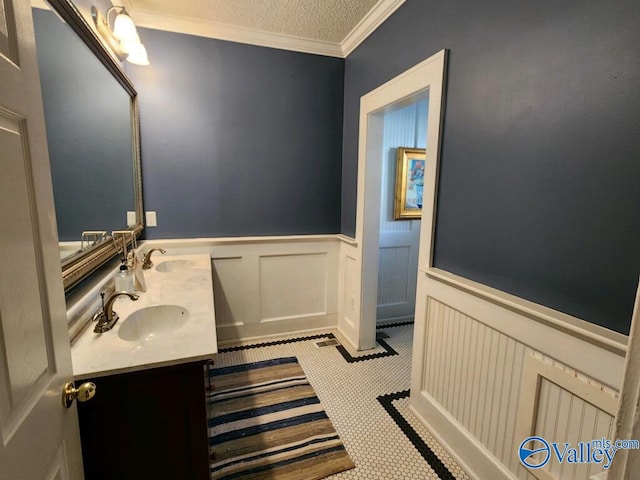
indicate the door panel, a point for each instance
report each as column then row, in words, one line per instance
column 39, row 439
column 58, row 469
column 7, row 33
column 22, row 335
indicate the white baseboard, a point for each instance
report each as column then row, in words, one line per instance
column 465, row 449
column 344, row 338
column 228, row 333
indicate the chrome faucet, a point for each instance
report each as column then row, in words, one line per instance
column 106, row 317
column 146, row 260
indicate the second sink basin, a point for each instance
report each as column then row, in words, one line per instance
column 150, row 322
column 174, row 266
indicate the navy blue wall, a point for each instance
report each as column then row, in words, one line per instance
column 540, row 179
column 239, row 140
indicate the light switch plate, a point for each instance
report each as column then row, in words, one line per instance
column 131, row 218
column 152, row 220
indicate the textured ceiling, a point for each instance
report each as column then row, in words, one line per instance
column 322, row 20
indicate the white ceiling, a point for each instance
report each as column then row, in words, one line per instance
column 326, row 27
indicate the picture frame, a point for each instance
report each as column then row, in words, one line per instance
column 410, row 167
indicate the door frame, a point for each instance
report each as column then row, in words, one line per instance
column 428, row 74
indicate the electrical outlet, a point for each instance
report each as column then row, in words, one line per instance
column 131, row 218
column 353, row 302
column 152, row 220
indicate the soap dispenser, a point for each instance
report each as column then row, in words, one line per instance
column 124, row 279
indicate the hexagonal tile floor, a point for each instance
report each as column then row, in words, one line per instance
column 365, row 395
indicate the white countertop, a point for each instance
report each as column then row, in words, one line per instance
column 96, row 355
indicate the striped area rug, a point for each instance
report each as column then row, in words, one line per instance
column 266, row 422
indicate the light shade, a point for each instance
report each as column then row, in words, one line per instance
column 124, row 28
column 137, row 54
column 130, row 44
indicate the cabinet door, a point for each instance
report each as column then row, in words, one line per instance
column 149, row 424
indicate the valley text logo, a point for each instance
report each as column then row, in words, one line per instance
column 536, row 452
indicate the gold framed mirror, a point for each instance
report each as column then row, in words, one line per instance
column 93, row 132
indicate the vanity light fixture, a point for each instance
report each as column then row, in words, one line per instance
column 123, row 38
column 123, row 27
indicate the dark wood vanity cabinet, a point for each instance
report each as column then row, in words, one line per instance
column 150, row 424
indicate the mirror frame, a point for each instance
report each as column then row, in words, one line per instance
column 79, row 266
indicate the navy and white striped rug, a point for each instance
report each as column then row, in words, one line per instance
column 266, row 422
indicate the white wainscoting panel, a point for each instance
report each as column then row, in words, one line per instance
column 348, row 292
column 229, row 302
column 293, row 285
column 268, row 285
column 393, row 280
column 349, row 305
column 561, row 406
column 474, row 373
column 565, row 417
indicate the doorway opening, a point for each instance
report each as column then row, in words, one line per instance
column 404, row 125
column 358, row 304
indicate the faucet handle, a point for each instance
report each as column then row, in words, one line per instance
column 146, row 261
column 106, row 316
column 99, row 315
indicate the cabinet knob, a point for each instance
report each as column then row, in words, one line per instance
column 85, row 392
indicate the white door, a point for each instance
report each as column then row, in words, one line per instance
column 39, row 438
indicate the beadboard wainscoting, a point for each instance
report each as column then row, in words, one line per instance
column 490, row 376
column 268, row 285
column 396, row 286
column 559, row 404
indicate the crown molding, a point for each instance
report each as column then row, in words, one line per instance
column 376, row 17
column 41, row 4
column 232, row 33
column 222, row 31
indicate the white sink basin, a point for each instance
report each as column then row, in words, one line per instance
column 150, row 322
column 174, row 266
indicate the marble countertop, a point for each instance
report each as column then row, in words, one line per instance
column 191, row 287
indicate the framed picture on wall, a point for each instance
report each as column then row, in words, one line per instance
column 409, row 183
